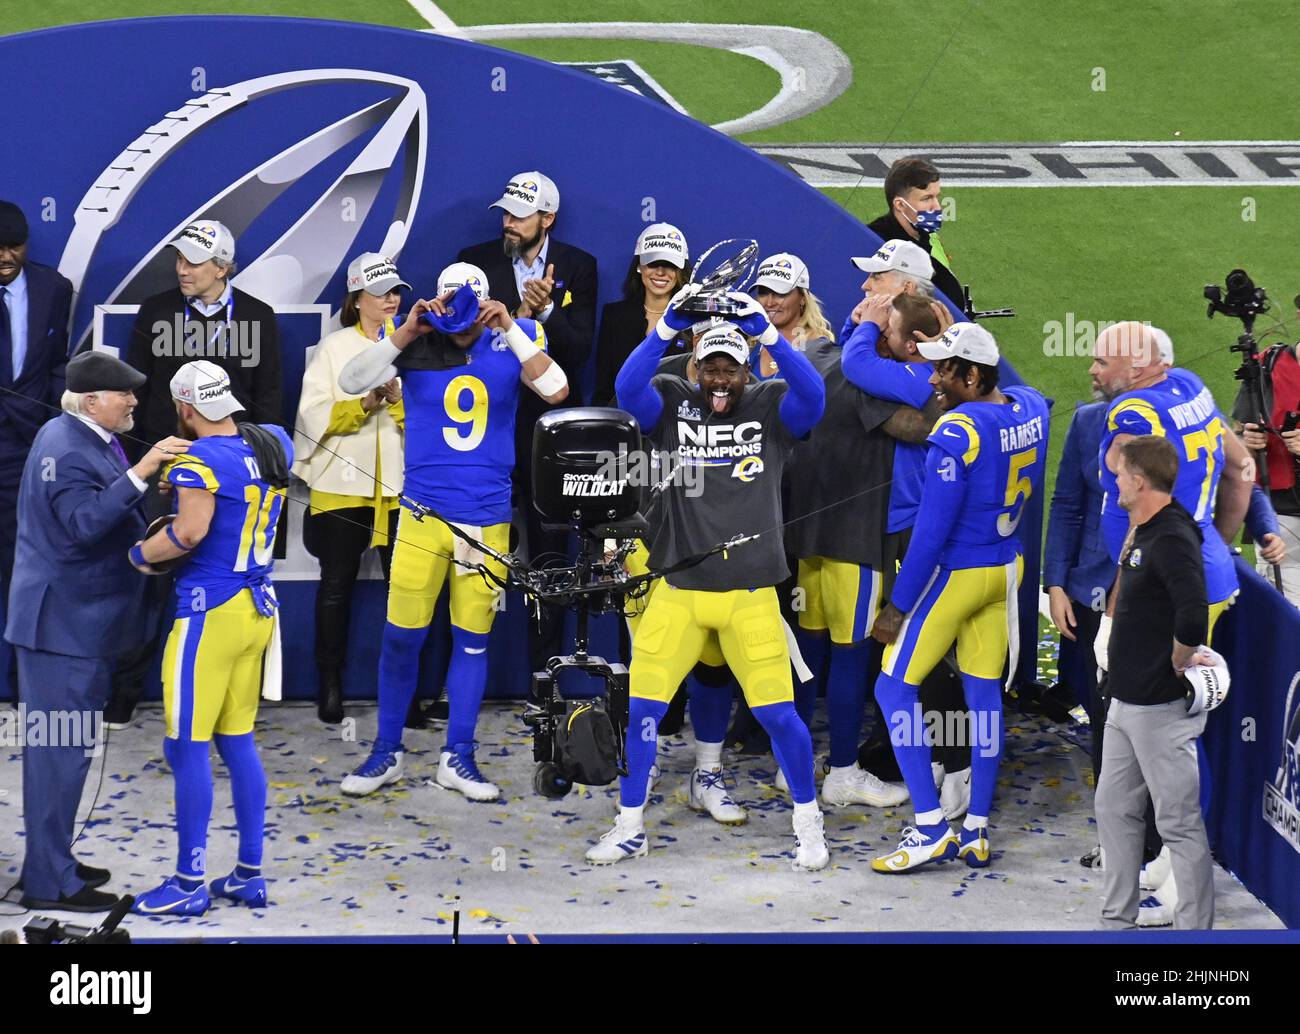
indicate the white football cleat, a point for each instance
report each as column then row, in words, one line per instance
column 1158, row 909
column 851, row 785
column 383, row 766
column 954, row 795
column 1156, row 871
column 811, row 853
column 709, row 793
column 458, row 772
column 626, row 840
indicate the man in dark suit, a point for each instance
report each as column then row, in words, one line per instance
column 538, row 277
column 35, row 305
column 74, row 593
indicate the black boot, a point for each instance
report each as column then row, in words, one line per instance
column 329, row 701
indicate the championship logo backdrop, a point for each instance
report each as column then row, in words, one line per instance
column 315, row 141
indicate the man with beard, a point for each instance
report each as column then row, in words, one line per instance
column 739, row 435
column 554, row 284
column 71, row 604
column 230, row 492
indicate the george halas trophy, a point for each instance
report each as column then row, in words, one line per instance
column 724, row 267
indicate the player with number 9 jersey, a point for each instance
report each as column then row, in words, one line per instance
column 461, row 376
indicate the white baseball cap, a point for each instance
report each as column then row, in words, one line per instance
column 903, row 256
column 204, row 241
column 529, row 192
column 206, row 387
column 1209, row 683
column 725, row 339
column 374, row 273
column 663, row 242
column 962, row 341
column 782, row 273
column 458, row 274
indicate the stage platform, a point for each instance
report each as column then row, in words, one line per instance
column 403, row 862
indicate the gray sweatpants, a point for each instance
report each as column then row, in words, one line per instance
column 1153, row 748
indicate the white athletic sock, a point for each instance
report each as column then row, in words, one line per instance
column 974, row 822
column 804, row 809
column 632, row 816
column 708, row 756
column 929, row 818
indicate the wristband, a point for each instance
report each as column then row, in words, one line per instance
column 517, row 341
column 136, row 555
column 665, row 332
column 769, row 337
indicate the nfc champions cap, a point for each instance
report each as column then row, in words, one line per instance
column 725, row 339
column 782, row 273
column 206, row 387
column 962, row 341
column 460, row 274
column 527, row 193
column 1210, row 683
column 903, row 256
column 662, row 242
column 205, row 241
column 374, row 273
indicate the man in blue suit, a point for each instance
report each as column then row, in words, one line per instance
column 35, row 304
column 1077, row 569
column 72, row 595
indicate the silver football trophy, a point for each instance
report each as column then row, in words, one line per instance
column 734, row 266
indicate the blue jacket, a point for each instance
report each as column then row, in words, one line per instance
column 73, row 590
column 1076, row 557
column 38, row 386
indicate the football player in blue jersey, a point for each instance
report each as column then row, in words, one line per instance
column 958, row 582
column 1149, row 396
column 230, row 491
column 461, row 381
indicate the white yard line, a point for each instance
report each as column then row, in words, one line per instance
column 437, row 18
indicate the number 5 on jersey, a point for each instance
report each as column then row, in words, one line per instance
column 1018, row 490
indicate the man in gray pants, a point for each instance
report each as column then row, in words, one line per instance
column 1150, row 742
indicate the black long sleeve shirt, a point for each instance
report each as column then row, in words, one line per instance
column 1161, row 598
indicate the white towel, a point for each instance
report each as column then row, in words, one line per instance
column 272, row 681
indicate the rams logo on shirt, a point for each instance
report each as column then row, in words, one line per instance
column 1135, row 558
column 747, row 469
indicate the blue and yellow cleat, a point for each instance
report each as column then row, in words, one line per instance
column 920, row 844
column 974, row 849
column 171, row 899
column 250, row 892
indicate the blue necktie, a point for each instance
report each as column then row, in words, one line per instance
column 6, row 344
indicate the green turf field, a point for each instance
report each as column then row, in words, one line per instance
column 985, row 70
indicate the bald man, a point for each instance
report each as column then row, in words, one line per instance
column 1147, row 395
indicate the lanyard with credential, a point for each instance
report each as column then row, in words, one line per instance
column 230, row 311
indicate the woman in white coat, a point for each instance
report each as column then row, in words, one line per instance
column 349, row 452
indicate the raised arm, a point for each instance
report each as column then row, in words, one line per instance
column 632, row 387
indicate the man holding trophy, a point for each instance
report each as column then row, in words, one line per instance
column 740, row 435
